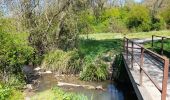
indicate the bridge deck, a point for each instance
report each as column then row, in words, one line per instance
column 153, row 67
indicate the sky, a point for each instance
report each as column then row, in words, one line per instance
column 138, row 0
column 6, row 10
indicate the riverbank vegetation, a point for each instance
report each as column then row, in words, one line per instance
column 57, row 93
column 80, row 37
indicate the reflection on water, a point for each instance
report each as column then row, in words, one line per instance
column 111, row 93
column 110, row 90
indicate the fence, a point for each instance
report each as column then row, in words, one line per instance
column 129, row 51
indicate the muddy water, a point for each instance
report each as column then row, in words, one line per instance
column 109, row 92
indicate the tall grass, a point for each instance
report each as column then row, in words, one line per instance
column 62, row 62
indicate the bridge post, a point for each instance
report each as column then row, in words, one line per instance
column 124, row 44
column 132, row 56
column 165, row 79
column 152, row 41
column 141, row 65
column 162, row 45
column 127, row 49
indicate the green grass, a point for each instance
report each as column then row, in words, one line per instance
column 103, row 42
column 103, row 36
column 93, row 48
column 157, row 47
column 95, row 52
column 57, row 94
column 148, row 34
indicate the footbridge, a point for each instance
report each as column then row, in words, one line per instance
column 148, row 71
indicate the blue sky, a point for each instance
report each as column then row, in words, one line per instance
column 138, row 0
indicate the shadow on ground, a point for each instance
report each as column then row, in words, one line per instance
column 94, row 47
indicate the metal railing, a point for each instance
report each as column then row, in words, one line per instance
column 164, row 60
column 162, row 42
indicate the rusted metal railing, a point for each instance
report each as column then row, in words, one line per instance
column 164, row 60
column 162, row 42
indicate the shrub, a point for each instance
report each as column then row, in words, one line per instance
column 166, row 16
column 61, row 61
column 14, row 52
column 85, row 23
column 158, row 23
column 5, row 92
column 8, row 93
column 94, row 70
column 138, row 18
column 117, row 25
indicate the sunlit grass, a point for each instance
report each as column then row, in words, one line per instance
column 141, row 35
column 57, row 94
column 148, row 34
column 102, row 36
column 157, row 47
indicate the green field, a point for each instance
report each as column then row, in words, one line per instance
column 111, row 39
column 157, row 47
column 141, row 35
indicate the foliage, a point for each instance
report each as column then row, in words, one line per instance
column 63, row 62
column 8, row 93
column 8, row 25
column 94, row 70
column 118, row 65
column 68, row 34
column 139, row 18
column 166, row 15
column 61, row 95
column 58, row 94
column 86, row 20
column 158, row 23
column 14, row 52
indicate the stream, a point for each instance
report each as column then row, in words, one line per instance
column 109, row 90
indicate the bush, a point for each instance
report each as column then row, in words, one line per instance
column 85, row 23
column 166, row 16
column 14, row 53
column 117, row 25
column 139, row 19
column 8, row 93
column 158, row 23
column 63, row 62
column 94, row 70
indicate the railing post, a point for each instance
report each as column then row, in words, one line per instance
column 127, row 49
column 162, row 45
column 132, row 56
column 124, row 44
column 165, row 79
column 141, row 65
column 152, row 41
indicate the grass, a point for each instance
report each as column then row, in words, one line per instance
column 103, row 36
column 95, row 53
column 57, row 94
column 93, row 48
column 148, row 34
column 157, row 47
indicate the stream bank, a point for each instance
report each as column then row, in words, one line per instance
column 107, row 90
column 119, row 88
